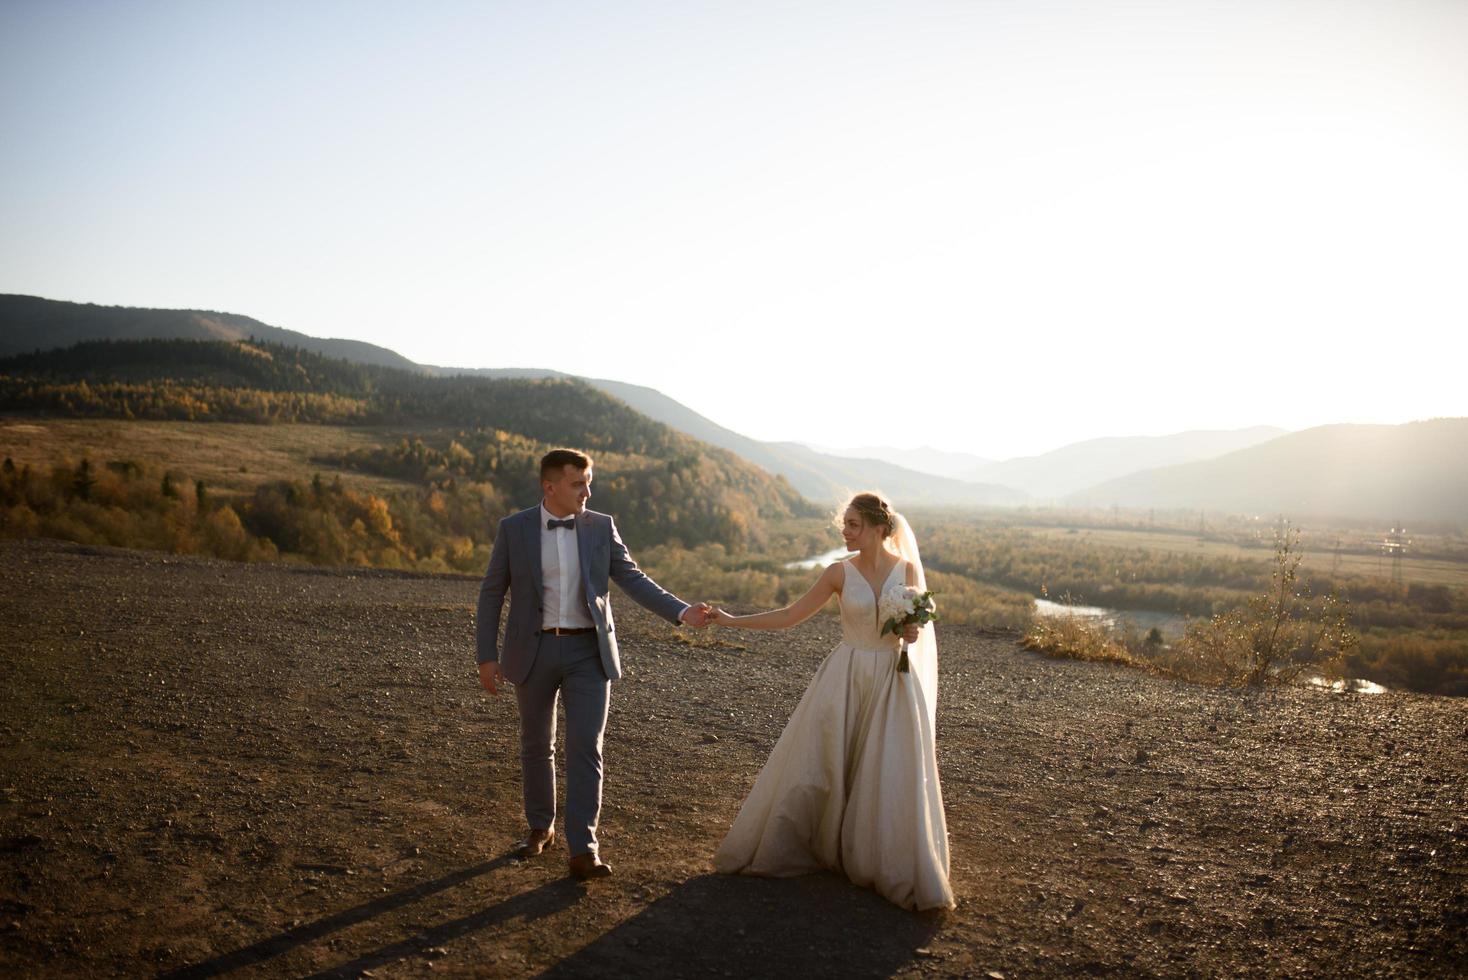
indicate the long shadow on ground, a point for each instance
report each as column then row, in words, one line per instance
column 537, row 903
column 542, row 901
column 727, row 925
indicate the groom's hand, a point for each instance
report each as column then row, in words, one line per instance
column 490, row 676
column 698, row 615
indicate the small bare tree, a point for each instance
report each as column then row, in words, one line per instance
column 1276, row 636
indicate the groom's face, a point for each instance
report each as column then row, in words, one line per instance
column 567, row 493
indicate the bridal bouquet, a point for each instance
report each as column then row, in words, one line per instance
column 900, row 608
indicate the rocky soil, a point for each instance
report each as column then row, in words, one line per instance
column 218, row 769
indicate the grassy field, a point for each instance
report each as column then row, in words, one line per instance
column 231, row 458
column 1317, row 548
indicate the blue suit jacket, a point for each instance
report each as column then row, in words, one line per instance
column 514, row 570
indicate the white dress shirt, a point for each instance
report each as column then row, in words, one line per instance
column 564, row 598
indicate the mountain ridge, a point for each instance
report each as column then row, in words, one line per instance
column 1416, row 471
column 32, row 323
column 1077, row 465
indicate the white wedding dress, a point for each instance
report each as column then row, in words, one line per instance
column 852, row 784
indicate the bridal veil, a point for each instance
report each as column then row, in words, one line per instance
column 922, row 655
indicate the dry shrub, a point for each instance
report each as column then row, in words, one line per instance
column 1275, row 637
column 1079, row 638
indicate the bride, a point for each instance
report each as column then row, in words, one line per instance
column 852, row 784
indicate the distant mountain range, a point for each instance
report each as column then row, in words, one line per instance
column 820, row 477
column 1417, row 472
column 1384, row 472
column 1064, row 471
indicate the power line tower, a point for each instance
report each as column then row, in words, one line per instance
column 1395, row 545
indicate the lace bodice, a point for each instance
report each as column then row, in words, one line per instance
column 859, row 625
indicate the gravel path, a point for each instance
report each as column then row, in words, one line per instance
column 214, row 768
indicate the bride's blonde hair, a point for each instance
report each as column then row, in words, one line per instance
column 873, row 510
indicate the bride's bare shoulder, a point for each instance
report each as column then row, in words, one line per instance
column 835, row 575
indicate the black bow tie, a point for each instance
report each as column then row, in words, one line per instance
column 568, row 522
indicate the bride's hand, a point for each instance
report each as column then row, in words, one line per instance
column 910, row 632
column 721, row 618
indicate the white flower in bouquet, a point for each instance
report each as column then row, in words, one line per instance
column 900, row 607
column 895, row 605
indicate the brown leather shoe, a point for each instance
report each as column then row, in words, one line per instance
column 535, row 842
column 587, row 866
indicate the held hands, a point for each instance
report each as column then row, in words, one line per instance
column 714, row 616
column 698, row 615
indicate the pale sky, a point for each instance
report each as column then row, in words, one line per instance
column 994, row 227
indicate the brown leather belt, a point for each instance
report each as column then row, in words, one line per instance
column 569, row 630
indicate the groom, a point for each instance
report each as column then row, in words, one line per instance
column 556, row 561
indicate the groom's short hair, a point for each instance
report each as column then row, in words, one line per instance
column 554, row 461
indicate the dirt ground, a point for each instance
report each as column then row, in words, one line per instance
column 216, row 769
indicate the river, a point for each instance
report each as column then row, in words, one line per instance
column 1170, row 625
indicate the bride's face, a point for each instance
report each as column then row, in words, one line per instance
column 857, row 533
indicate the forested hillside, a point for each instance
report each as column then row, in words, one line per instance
column 31, row 323
column 474, row 438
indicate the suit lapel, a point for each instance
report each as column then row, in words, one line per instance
column 532, row 544
column 583, row 549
